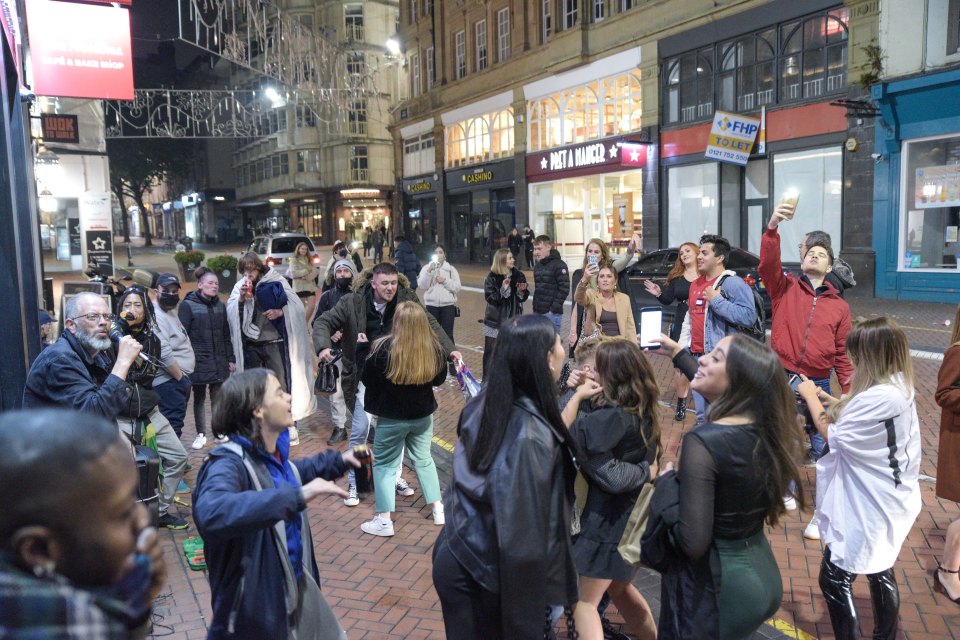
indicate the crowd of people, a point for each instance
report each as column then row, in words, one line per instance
column 556, row 459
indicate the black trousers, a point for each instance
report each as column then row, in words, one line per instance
column 837, row 587
column 469, row 611
column 488, row 346
column 445, row 318
column 269, row 355
column 199, row 399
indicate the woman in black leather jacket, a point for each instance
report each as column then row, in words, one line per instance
column 505, row 290
column 504, row 556
column 735, row 470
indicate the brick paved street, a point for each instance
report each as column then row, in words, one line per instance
column 382, row 587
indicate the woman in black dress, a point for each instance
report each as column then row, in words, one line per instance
column 624, row 428
column 677, row 288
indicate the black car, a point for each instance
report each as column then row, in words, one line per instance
column 657, row 264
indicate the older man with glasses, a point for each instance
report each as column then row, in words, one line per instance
column 79, row 371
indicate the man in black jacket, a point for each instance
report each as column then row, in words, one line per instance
column 551, row 279
column 406, row 261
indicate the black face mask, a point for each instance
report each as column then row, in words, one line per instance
column 343, row 283
column 168, row 301
column 342, row 253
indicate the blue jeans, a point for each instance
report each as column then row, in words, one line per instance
column 359, row 426
column 817, row 443
column 174, row 395
column 555, row 318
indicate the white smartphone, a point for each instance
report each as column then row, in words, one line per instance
column 649, row 327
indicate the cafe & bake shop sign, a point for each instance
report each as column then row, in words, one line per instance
column 731, row 138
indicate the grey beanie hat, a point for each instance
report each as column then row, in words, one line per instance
column 344, row 264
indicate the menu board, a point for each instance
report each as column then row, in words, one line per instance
column 937, row 187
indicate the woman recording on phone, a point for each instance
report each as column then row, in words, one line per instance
column 440, row 282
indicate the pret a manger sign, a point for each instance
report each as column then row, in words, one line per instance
column 80, row 50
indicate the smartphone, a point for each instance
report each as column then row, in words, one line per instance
column 434, row 258
column 791, row 197
column 794, row 381
column 593, row 259
column 649, row 327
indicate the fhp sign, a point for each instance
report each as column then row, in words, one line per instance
column 731, row 138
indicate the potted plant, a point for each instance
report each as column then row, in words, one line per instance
column 226, row 269
column 188, row 261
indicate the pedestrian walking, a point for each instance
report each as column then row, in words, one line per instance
column 344, row 273
column 379, row 238
column 515, row 243
column 625, row 428
column 406, row 261
column 734, row 471
column 551, row 281
column 440, row 282
column 528, row 236
column 677, row 289
column 401, row 371
column 204, row 317
column 868, row 482
column 249, row 505
column 945, row 578
column 505, row 290
column 504, row 557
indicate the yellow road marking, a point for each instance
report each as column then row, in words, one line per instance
column 906, row 326
column 785, row 627
column 443, row 444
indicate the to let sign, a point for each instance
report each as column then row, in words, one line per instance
column 80, row 50
column 731, row 138
column 59, row 128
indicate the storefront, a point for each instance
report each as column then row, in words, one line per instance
column 917, row 188
column 481, row 209
column 419, row 222
column 592, row 190
column 783, row 62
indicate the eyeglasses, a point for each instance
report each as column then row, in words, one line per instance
column 93, row 317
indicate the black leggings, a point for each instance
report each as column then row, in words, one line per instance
column 199, row 398
column 837, row 587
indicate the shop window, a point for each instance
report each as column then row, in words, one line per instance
column 930, row 205
column 817, row 175
column 599, row 109
column 693, row 206
column 797, row 60
column 480, row 41
column 460, row 59
column 503, row 34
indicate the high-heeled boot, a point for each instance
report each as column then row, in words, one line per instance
column 681, row 409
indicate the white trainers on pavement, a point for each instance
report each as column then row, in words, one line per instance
column 294, row 436
column 352, row 498
column 381, row 525
column 789, row 503
column 199, row 442
column 812, row 530
column 404, row 489
column 438, row 517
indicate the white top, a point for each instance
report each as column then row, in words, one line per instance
column 434, row 293
column 868, row 485
column 174, row 343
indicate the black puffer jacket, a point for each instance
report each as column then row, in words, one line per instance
column 551, row 279
column 206, row 323
column 500, row 309
column 504, row 548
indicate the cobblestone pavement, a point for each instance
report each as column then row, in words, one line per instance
column 381, row 587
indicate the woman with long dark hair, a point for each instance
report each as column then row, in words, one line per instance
column 249, row 506
column 505, row 290
column 945, row 577
column 625, row 427
column 504, row 556
column 677, row 288
column 868, row 483
column 734, row 471
column 400, row 374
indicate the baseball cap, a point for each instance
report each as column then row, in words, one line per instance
column 167, row 279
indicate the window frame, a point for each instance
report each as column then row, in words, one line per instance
column 415, row 85
column 359, row 163
column 431, row 73
column 480, row 44
column 460, row 55
column 353, row 22
column 503, row 34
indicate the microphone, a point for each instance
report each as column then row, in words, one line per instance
column 119, row 328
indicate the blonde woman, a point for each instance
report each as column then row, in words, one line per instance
column 598, row 252
column 302, row 276
column 399, row 376
column 505, row 289
column 606, row 306
column 868, row 484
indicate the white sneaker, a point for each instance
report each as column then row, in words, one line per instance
column 294, row 436
column 789, row 503
column 352, row 498
column 438, row 517
column 812, row 530
column 221, row 439
column 381, row 525
column 404, row 489
column 199, row 442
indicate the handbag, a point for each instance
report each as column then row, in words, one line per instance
column 468, row 384
column 629, row 546
column 327, row 375
column 456, row 311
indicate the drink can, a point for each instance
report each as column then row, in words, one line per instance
column 364, row 475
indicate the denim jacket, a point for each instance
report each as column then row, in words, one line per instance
column 734, row 306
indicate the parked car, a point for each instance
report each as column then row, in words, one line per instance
column 657, row 264
column 274, row 248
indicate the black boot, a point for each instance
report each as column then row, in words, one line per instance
column 681, row 409
column 339, row 435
